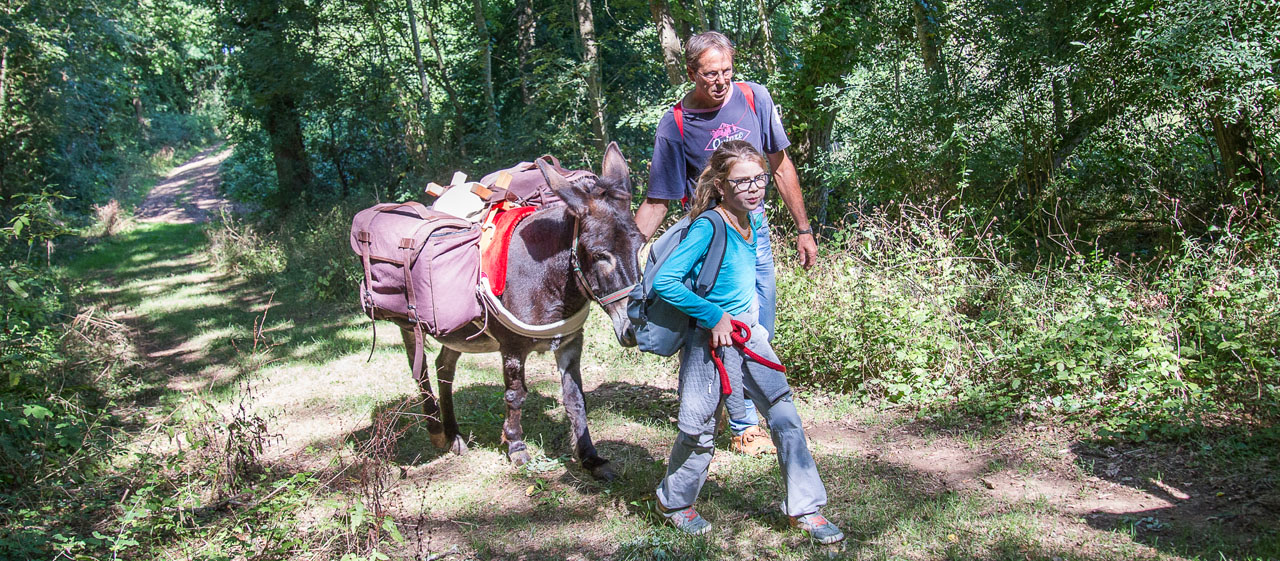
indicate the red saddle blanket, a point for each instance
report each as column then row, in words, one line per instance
column 493, row 260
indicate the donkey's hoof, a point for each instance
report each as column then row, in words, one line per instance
column 600, row 469
column 439, row 441
column 459, row 446
column 519, row 457
column 604, row 473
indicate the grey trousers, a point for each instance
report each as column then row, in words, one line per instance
column 700, row 396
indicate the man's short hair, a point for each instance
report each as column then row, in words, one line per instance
column 703, row 42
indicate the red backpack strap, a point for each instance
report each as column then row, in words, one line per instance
column 747, row 91
column 678, row 112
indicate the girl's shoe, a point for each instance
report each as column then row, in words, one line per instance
column 686, row 520
column 817, row 526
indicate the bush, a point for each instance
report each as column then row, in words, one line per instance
column 878, row 315
column 238, row 248
column 319, row 254
column 308, row 251
column 911, row 310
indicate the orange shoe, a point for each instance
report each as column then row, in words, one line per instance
column 753, row 441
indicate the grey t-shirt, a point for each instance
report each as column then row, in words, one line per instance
column 677, row 161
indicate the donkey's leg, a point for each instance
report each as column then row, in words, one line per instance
column 569, row 360
column 512, row 432
column 446, row 365
column 430, row 407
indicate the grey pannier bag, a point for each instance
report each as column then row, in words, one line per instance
column 421, row 268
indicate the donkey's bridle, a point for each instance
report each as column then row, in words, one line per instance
column 582, row 278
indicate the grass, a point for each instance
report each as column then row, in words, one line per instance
column 308, row 376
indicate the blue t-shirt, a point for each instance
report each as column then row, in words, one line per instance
column 735, row 289
column 677, row 161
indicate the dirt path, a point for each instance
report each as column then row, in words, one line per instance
column 189, row 193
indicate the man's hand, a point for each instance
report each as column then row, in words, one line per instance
column 721, row 334
column 807, row 249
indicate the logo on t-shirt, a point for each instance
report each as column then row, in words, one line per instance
column 724, row 133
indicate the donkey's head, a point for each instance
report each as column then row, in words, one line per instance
column 608, row 242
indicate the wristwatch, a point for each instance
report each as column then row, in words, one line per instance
column 804, row 231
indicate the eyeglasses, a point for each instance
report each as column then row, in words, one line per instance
column 747, row 183
column 715, row 76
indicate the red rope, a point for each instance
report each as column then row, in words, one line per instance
column 740, row 335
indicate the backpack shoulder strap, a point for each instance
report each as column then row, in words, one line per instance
column 749, row 93
column 678, row 113
column 715, row 254
column 678, row 110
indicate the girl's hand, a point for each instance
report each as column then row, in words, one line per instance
column 720, row 334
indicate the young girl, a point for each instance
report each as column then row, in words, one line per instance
column 732, row 184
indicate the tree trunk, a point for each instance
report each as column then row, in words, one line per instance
column 668, row 41
column 590, row 56
column 293, row 171
column 443, row 79
column 376, row 17
column 526, row 27
column 1038, row 167
column 335, row 156
column 702, row 16
column 417, row 55
column 486, row 61
column 811, row 127
column 926, row 14
column 138, row 116
column 770, row 56
column 267, row 47
column 1241, row 161
column 4, row 83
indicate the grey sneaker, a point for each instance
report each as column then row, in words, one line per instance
column 817, row 526
column 686, row 520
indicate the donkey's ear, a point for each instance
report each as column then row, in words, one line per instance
column 575, row 197
column 614, row 171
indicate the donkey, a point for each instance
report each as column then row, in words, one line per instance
column 561, row 258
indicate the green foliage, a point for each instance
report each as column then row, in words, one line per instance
column 240, row 249
column 311, row 252
column 318, row 250
column 910, row 311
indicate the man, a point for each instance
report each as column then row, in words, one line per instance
column 717, row 110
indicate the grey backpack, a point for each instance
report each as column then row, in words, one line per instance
column 660, row 327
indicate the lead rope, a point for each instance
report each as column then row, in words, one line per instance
column 740, row 334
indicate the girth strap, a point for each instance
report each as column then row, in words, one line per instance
column 565, row 326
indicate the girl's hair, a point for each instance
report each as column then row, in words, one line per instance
column 706, row 195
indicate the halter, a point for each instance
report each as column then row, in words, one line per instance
column 582, row 278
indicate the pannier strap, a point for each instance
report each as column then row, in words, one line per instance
column 407, row 243
column 363, row 235
column 417, row 207
column 418, row 362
